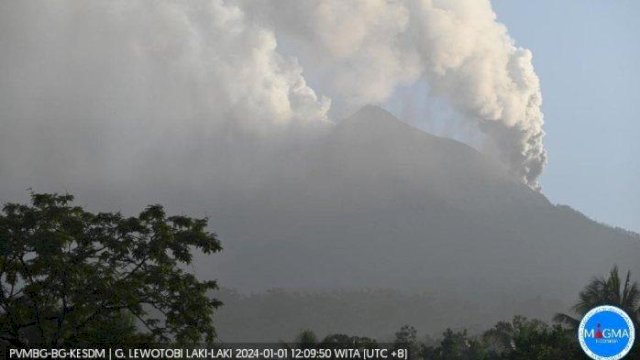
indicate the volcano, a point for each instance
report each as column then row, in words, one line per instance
column 378, row 204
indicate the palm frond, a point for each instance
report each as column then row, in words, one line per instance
column 607, row 291
column 630, row 294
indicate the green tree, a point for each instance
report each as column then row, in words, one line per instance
column 605, row 291
column 346, row 341
column 611, row 290
column 69, row 276
column 407, row 338
column 307, row 339
column 455, row 345
column 523, row 339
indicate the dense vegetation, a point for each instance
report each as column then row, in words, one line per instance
column 520, row 339
column 69, row 276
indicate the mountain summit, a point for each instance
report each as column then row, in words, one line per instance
column 374, row 141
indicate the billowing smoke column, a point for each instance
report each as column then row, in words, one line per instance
column 154, row 60
column 365, row 49
column 470, row 59
column 144, row 69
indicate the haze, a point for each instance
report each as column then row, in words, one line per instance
column 268, row 118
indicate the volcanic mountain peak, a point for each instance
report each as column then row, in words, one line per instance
column 382, row 152
column 380, row 204
column 375, row 122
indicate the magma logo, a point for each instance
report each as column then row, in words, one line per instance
column 606, row 333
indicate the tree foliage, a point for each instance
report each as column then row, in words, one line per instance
column 307, row 339
column 612, row 290
column 69, row 276
column 519, row 339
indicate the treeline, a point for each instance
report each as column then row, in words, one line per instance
column 519, row 339
column 277, row 314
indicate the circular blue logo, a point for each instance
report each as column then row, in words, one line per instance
column 606, row 333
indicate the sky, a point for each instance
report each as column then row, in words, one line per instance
column 586, row 54
column 214, row 68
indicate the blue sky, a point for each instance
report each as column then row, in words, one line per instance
column 586, row 53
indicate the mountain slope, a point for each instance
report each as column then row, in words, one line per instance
column 379, row 204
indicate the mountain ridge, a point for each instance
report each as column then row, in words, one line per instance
column 377, row 203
